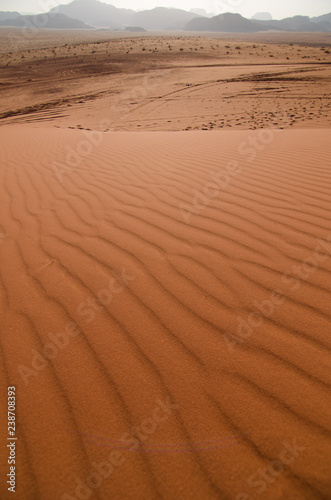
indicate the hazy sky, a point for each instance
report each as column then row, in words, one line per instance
column 278, row 8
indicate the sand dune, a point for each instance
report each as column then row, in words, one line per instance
column 165, row 304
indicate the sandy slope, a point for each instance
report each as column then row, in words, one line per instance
column 143, row 279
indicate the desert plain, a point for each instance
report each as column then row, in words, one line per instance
column 165, row 260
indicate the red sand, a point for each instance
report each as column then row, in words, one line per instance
column 148, row 277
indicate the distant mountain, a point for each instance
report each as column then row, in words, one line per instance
column 54, row 21
column 162, row 18
column 234, row 23
column 8, row 15
column 100, row 14
column 227, row 23
column 290, row 23
column 317, row 27
column 135, row 29
column 96, row 13
column 320, row 19
column 86, row 14
column 262, row 16
column 298, row 23
column 324, row 26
